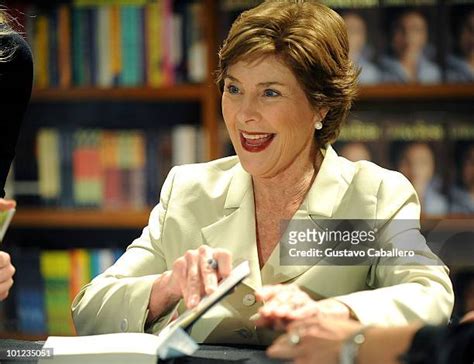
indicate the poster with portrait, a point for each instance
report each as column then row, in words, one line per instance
column 362, row 20
column 459, row 64
column 417, row 145
column 461, row 186
column 361, row 138
column 410, row 51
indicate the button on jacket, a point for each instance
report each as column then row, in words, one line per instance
column 213, row 204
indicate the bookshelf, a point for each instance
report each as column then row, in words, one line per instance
column 79, row 218
column 415, row 92
column 136, row 219
column 178, row 92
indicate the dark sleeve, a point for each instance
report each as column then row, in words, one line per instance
column 16, row 78
column 442, row 345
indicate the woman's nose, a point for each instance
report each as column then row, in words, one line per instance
column 248, row 110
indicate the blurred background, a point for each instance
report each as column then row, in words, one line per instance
column 124, row 90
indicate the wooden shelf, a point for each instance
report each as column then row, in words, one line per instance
column 179, row 92
column 416, row 92
column 77, row 218
column 22, row 336
column 88, row 218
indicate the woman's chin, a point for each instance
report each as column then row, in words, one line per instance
column 256, row 169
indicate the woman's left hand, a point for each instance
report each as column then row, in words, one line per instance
column 285, row 303
column 314, row 340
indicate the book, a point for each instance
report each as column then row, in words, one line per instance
column 141, row 348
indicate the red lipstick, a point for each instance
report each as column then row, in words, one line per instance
column 255, row 145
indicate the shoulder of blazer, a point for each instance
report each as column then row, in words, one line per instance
column 211, row 178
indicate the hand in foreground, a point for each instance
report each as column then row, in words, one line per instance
column 7, row 270
column 191, row 278
column 7, row 204
column 468, row 317
column 313, row 340
column 285, row 303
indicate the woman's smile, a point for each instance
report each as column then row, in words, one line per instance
column 255, row 142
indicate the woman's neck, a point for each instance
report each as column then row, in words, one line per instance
column 290, row 186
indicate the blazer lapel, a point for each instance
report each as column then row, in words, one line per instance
column 321, row 202
column 236, row 230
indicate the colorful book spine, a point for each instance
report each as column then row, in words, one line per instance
column 111, row 169
column 78, row 46
column 126, row 43
column 41, row 47
column 103, row 42
column 154, row 42
column 64, row 46
column 49, row 166
column 55, row 268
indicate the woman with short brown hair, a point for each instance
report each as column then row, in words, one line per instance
column 287, row 85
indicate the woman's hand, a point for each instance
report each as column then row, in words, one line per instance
column 191, row 278
column 7, row 204
column 7, row 270
column 286, row 303
column 314, row 340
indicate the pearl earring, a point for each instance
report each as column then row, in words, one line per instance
column 318, row 125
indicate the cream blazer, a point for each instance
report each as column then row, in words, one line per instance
column 213, row 204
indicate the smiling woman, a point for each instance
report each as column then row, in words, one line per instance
column 269, row 119
column 287, row 85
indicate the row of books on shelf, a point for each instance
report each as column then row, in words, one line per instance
column 111, row 169
column 108, row 44
column 401, row 41
column 437, row 157
column 46, row 283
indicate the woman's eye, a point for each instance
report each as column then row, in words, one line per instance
column 271, row 93
column 232, row 89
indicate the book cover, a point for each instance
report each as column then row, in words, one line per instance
column 361, row 138
column 411, row 51
column 459, row 67
column 417, row 145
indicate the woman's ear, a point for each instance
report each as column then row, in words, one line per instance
column 322, row 112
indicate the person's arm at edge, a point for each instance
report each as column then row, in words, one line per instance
column 386, row 345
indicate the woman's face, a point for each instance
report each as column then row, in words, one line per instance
column 269, row 119
column 410, row 35
column 356, row 34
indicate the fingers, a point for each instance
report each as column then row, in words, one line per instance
column 7, row 204
column 283, row 304
column 208, row 273
column 7, row 270
column 196, row 277
column 5, row 288
column 4, row 259
column 468, row 317
column 282, row 348
column 193, row 279
column 224, row 262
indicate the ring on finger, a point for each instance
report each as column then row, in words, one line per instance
column 212, row 263
column 294, row 338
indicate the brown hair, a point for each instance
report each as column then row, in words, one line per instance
column 311, row 39
column 6, row 51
